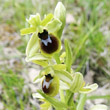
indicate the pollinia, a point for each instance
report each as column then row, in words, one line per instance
column 57, row 76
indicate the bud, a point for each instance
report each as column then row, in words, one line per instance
column 77, row 82
column 60, row 13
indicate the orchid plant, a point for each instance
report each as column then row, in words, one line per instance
column 57, row 76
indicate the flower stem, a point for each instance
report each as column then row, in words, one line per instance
column 56, row 57
column 62, row 97
column 81, row 102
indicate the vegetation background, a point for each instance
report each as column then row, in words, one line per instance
column 88, row 32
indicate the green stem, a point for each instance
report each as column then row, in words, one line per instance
column 57, row 59
column 81, row 102
column 62, row 97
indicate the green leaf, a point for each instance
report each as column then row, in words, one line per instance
column 89, row 88
column 53, row 26
column 47, row 19
column 99, row 107
column 27, row 30
column 56, row 103
column 60, row 13
column 68, row 56
column 32, row 46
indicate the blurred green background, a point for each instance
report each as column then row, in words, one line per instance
column 88, row 32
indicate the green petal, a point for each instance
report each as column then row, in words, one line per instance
column 47, row 19
column 32, row 46
column 27, row 30
column 89, row 88
column 53, row 26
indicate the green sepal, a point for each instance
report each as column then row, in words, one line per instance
column 46, row 71
column 53, row 26
column 56, row 103
column 27, row 30
column 41, row 63
column 68, row 56
column 37, row 95
column 60, row 13
column 59, row 67
column 34, row 20
column 37, row 56
column 45, row 106
column 47, row 19
column 32, row 46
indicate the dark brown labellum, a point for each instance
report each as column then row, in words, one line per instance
column 49, row 43
column 46, row 84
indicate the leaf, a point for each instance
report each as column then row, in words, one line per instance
column 60, row 13
column 89, row 88
column 47, row 19
column 56, row 103
column 99, row 107
column 27, row 30
column 53, row 26
column 68, row 56
column 32, row 46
